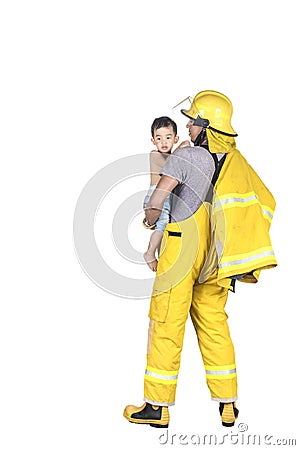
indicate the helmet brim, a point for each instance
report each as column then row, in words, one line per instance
column 187, row 113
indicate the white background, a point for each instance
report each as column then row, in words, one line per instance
column 81, row 83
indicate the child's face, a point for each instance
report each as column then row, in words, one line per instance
column 164, row 138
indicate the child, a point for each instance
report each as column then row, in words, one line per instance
column 164, row 136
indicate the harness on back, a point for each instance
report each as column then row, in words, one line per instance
column 218, row 166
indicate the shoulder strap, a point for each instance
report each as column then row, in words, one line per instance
column 218, row 167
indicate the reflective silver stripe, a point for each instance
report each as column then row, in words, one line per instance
column 246, row 260
column 161, row 376
column 267, row 213
column 227, row 201
column 220, row 372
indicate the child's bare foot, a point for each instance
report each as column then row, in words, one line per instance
column 150, row 259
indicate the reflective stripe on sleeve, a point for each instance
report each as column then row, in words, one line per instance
column 261, row 255
column 242, row 201
column 267, row 213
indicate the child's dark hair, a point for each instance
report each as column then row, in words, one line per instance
column 163, row 122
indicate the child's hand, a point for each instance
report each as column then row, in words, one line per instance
column 146, row 225
column 183, row 144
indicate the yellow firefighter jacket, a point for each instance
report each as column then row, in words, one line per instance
column 242, row 211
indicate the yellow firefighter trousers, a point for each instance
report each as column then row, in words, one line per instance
column 176, row 293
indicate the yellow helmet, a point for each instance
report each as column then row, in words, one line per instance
column 211, row 109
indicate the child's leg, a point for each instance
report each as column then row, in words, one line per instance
column 154, row 245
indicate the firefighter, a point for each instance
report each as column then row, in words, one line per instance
column 218, row 233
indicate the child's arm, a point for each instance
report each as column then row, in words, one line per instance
column 154, row 206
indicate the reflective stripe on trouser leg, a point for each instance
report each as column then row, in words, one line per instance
column 210, row 322
column 160, row 384
column 171, row 301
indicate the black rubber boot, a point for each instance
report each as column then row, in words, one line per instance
column 228, row 413
column 155, row 416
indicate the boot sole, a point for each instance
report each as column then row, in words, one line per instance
column 158, row 425
column 148, row 422
column 152, row 424
column 227, row 424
